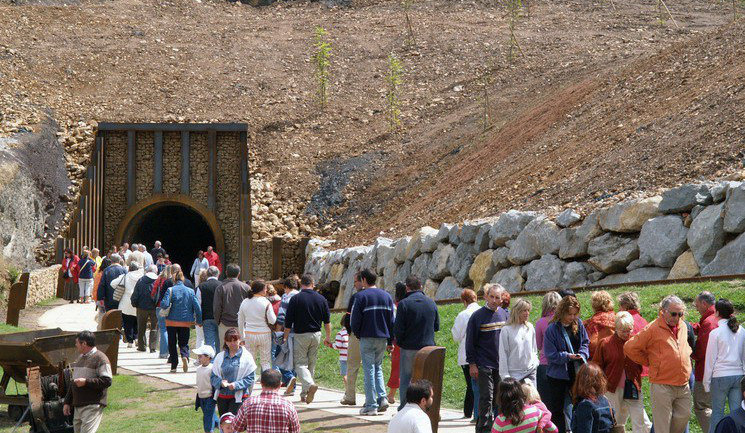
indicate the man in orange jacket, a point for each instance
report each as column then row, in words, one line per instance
column 663, row 346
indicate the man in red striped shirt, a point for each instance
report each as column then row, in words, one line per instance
column 267, row 412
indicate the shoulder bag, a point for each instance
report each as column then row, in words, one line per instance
column 119, row 289
column 165, row 311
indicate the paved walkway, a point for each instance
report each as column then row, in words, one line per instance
column 77, row 317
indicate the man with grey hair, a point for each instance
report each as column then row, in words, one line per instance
column 143, row 300
column 148, row 257
column 482, row 352
column 704, row 303
column 205, row 297
column 663, row 346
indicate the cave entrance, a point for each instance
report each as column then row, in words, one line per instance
column 183, row 230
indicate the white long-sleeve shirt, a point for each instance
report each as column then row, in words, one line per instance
column 459, row 330
column 725, row 353
column 518, row 353
column 253, row 315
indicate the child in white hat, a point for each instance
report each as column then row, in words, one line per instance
column 205, row 392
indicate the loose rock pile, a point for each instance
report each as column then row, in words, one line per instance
column 276, row 215
column 694, row 229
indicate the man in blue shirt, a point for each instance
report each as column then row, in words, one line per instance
column 416, row 323
column 306, row 312
column 482, row 352
column 372, row 323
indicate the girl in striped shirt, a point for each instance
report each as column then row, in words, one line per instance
column 340, row 343
column 516, row 415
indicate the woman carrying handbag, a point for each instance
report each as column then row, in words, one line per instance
column 256, row 322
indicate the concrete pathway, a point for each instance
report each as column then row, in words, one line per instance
column 77, row 317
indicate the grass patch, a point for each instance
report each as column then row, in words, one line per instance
column 327, row 369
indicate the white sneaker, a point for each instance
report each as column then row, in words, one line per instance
column 369, row 411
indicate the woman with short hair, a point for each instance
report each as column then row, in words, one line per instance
column 602, row 322
column 567, row 348
column 256, row 321
column 518, row 354
column 180, row 303
column 471, row 400
column 86, row 269
column 624, row 375
column 233, row 373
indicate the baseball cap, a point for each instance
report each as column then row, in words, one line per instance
column 227, row 418
column 205, row 350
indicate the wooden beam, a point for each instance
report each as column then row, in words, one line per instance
column 101, row 193
column 171, row 127
column 212, row 170
column 131, row 168
column 276, row 258
column 244, row 220
column 185, row 149
column 158, row 162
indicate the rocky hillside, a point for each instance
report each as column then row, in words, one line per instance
column 597, row 91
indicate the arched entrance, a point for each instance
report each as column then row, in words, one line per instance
column 183, row 227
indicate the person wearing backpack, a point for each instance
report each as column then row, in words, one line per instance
column 144, row 302
column 85, row 269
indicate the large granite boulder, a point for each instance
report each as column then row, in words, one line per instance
column 662, row 240
column 454, row 235
column 509, row 225
column 460, row 263
column 420, row 266
column 482, row 241
column 684, row 198
column 734, row 210
column 510, row 278
column 540, row 237
column 685, row 267
column 482, row 269
column 470, row 229
column 544, row 273
column 611, row 253
column 430, row 288
column 399, row 254
column 729, row 259
column 576, row 274
column 385, row 252
column 706, row 235
column 629, row 216
column 448, row 289
column 567, row 218
column 438, row 265
column 402, row 272
column 635, row 276
column 389, row 277
column 573, row 241
column 719, row 190
column 500, row 258
column 443, row 234
column 430, row 239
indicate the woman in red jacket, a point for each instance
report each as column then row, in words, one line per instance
column 70, row 273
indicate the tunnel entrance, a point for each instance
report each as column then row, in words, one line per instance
column 181, row 230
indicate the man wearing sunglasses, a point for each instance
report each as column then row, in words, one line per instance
column 663, row 346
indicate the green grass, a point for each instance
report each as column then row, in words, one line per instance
column 327, row 369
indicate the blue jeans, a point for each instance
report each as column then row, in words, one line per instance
column 372, row 351
column 210, row 420
column 475, row 388
column 163, row 335
column 211, row 335
column 286, row 374
column 405, row 366
column 723, row 388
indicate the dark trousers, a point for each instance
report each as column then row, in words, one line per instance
column 130, row 327
column 143, row 318
column 178, row 336
column 468, row 401
column 556, row 392
column 542, row 381
column 225, row 405
column 488, row 383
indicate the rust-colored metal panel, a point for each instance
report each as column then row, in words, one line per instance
column 429, row 363
column 17, row 299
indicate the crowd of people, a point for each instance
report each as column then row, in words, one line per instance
column 561, row 374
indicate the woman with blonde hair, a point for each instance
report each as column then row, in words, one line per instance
column 602, row 322
column 567, row 348
column 518, row 354
column 624, row 375
column 181, row 308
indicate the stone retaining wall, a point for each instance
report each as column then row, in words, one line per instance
column 694, row 229
column 42, row 284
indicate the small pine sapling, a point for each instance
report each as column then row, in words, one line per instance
column 410, row 40
column 393, row 79
column 514, row 12
column 321, row 60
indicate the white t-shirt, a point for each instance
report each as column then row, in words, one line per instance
column 204, row 386
column 410, row 419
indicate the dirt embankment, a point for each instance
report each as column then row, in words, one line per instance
column 554, row 136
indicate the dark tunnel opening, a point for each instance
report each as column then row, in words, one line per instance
column 182, row 232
